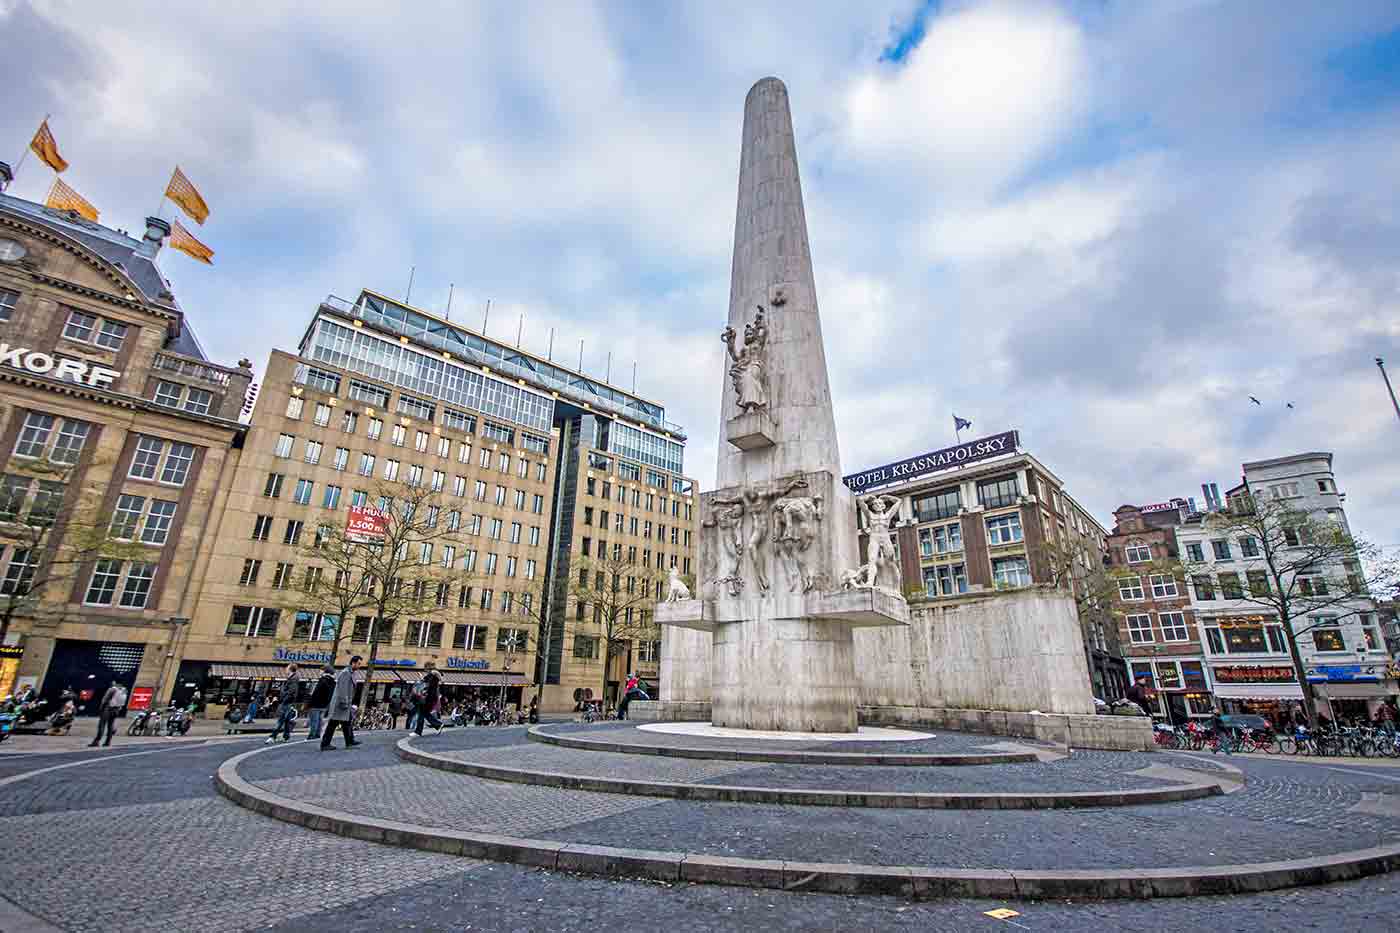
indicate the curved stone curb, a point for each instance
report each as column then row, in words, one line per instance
column 826, row 877
column 783, row 758
column 805, row 797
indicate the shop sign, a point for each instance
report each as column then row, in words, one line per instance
column 468, row 664
column 140, row 698
column 957, row 455
column 1241, row 621
column 11, row 651
column 366, row 525
column 1253, row 674
column 1344, row 673
column 1160, row 507
column 394, row 662
column 293, row 654
column 44, row 363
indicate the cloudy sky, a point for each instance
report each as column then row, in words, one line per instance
column 1103, row 223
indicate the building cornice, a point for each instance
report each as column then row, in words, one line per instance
column 128, row 288
column 114, row 399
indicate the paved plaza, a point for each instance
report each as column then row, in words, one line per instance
column 178, row 856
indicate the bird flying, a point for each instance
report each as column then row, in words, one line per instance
column 1255, row 401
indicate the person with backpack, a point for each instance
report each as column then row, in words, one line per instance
column 113, row 702
column 320, row 701
column 425, row 699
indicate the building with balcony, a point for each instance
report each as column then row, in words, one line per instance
column 506, row 445
column 118, row 439
column 986, row 516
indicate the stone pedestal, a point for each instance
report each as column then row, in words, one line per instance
column 753, row 430
column 784, row 675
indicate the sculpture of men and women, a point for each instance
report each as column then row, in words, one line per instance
column 792, row 530
column 748, row 368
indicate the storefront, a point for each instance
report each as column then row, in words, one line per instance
column 1268, row 690
column 1350, row 692
column 1178, row 691
column 10, row 656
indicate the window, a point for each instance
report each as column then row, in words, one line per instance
column 1284, row 491
column 34, row 437
column 1249, row 546
column 439, row 478
column 19, row 575
column 313, row 452
column 249, row 576
column 537, row 505
column 1194, row 552
column 997, row 493
column 8, row 300
column 1005, row 529
column 1168, row 675
column 145, row 460
column 295, row 404
column 444, row 447
column 1138, row 553
column 127, row 517
column 331, row 499
column 534, row 536
column 397, row 435
column 374, row 429
column 415, row 475
column 170, row 393
column 479, row 491
column 500, row 495
column 1221, row 549
column 1130, row 589
column 1230, row 586
column 1163, row 586
column 302, row 495
column 585, row 647
column 943, row 504
column 1205, row 589
column 529, row 570
column 158, row 519
column 520, row 499
column 103, row 585
column 1011, row 572
column 282, row 576
column 199, row 401
column 1312, row 584
column 1140, row 629
column 488, row 596
column 425, row 552
column 951, row 580
column 137, row 589
column 366, row 464
column 1173, row 626
column 1258, row 583
column 423, row 634
column 314, row 626
column 454, row 520
column 272, row 489
column 293, row 533
column 1375, row 641
column 469, row 560
column 420, row 441
column 469, row 637
column 253, row 622
column 284, row 445
column 89, row 328
column 1327, row 635
column 177, row 464
column 474, row 525
column 490, row 566
column 510, row 565
column 262, row 527
column 349, row 421
column 512, row 640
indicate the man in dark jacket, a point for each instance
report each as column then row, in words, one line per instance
column 320, row 701
column 426, row 698
column 287, row 709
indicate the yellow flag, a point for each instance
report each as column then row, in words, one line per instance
column 184, row 241
column 63, row 198
column 184, row 194
column 45, row 147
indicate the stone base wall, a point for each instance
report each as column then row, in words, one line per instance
column 667, row 711
column 1016, row 651
column 1119, row 733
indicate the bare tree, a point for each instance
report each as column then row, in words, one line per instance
column 1297, row 565
column 334, row 586
column 620, row 598
column 57, row 531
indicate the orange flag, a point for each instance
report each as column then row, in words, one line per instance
column 184, row 194
column 184, row 241
column 45, row 147
column 63, row 198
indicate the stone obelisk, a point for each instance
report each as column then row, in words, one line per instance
column 778, row 535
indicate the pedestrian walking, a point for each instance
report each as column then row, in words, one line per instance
column 425, row 698
column 287, row 709
column 395, row 710
column 107, row 712
column 320, row 701
column 342, row 708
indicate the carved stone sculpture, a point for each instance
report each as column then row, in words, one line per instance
column 859, row 578
column 727, row 518
column 795, row 527
column 879, row 512
column 676, row 590
column 748, row 369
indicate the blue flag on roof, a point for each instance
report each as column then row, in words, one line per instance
column 960, row 423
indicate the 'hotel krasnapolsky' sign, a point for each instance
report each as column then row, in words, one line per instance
column 948, row 457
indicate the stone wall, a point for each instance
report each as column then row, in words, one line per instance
column 1014, row 651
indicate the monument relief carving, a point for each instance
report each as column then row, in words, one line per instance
column 676, row 590
column 796, row 524
column 749, row 363
column 727, row 518
column 878, row 512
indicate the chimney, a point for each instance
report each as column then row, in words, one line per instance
column 156, row 232
column 6, row 175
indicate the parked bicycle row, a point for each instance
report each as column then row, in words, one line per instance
column 1338, row 741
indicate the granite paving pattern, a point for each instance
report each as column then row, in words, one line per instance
column 1079, row 772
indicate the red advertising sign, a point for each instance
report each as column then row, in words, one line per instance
column 140, row 697
column 366, row 525
column 1251, row 674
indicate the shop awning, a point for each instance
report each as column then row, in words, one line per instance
column 483, row 679
column 381, row 676
column 1258, row 692
column 237, row 671
column 1353, row 691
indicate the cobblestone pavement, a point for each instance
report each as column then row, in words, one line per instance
column 943, row 743
column 142, row 842
column 1080, row 772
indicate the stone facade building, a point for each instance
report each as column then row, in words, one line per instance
column 118, row 436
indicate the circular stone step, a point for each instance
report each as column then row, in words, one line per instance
column 721, row 752
column 826, row 877
column 808, row 797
